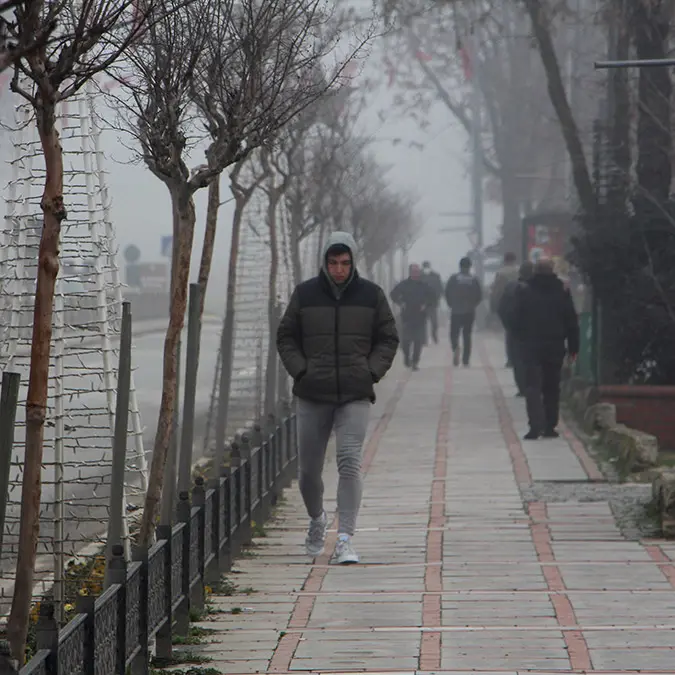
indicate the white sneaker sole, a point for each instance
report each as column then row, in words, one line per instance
column 314, row 553
column 351, row 559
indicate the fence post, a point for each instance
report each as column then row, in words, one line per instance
column 191, row 368
column 169, row 490
column 240, row 536
column 163, row 643
column 141, row 663
column 47, row 636
column 117, row 569
column 183, row 610
column 116, row 518
column 199, row 501
column 226, row 553
column 9, row 400
column 212, row 570
column 85, row 605
column 274, row 456
column 245, row 450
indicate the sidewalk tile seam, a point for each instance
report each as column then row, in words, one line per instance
column 301, row 613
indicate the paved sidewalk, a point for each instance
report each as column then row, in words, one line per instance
column 458, row 575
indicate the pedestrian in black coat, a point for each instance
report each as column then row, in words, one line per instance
column 414, row 296
column 546, row 324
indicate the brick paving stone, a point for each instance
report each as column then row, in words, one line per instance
column 458, row 574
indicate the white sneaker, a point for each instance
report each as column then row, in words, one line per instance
column 316, row 535
column 344, row 551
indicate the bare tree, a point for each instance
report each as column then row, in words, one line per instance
column 229, row 75
column 87, row 38
column 13, row 45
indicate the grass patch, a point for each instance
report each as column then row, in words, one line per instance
column 180, row 659
column 196, row 636
column 190, row 671
column 258, row 529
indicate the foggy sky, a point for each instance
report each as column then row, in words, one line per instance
column 438, row 172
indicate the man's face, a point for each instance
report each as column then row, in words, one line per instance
column 339, row 267
column 415, row 272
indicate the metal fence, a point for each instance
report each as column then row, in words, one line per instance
column 151, row 597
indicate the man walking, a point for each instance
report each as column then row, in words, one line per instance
column 505, row 310
column 545, row 323
column 463, row 295
column 414, row 296
column 433, row 280
column 336, row 339
column 506, row 275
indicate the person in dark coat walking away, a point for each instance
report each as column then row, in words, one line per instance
column 505, row 275
column 546, row 324
column 433, row 280
column 463, row 295
column 336, row 339
column 505, row 311
column 414, row 297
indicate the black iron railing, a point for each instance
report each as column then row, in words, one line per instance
column 150, row 598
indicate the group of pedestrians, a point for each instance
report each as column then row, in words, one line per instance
column 338, row 338
column 419, row 297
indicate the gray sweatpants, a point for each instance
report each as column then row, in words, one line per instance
column 315, row 423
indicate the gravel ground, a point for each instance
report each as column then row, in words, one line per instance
column 629, row 501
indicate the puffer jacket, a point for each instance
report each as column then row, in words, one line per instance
column 336, row 348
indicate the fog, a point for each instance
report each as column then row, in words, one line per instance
column 435, row 166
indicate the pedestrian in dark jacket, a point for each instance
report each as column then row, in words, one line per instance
column 336, row 339
column 433, row 280
column 505, row 310
column 463, row 295
column 414, row 296
column 545, row 322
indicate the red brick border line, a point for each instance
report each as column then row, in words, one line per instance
column 430, row 642
column 587, row 462
column 304, row 604
column 518, row 459
column 663, row 561
column 577, row 649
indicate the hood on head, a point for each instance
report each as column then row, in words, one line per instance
column 339, row 237
column 335, row 239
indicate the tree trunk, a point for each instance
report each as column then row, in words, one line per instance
column 212, row 207
column 185, row 211
column 227, row 336
column 295, row 230
column 558, row 96
column 38, row 383
column 270, row 367
column 654, row 138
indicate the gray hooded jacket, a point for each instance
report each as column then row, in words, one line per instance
column 337, row 341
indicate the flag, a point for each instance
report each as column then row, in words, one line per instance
column 466, row 59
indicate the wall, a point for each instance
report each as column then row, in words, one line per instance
column 647, row 408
